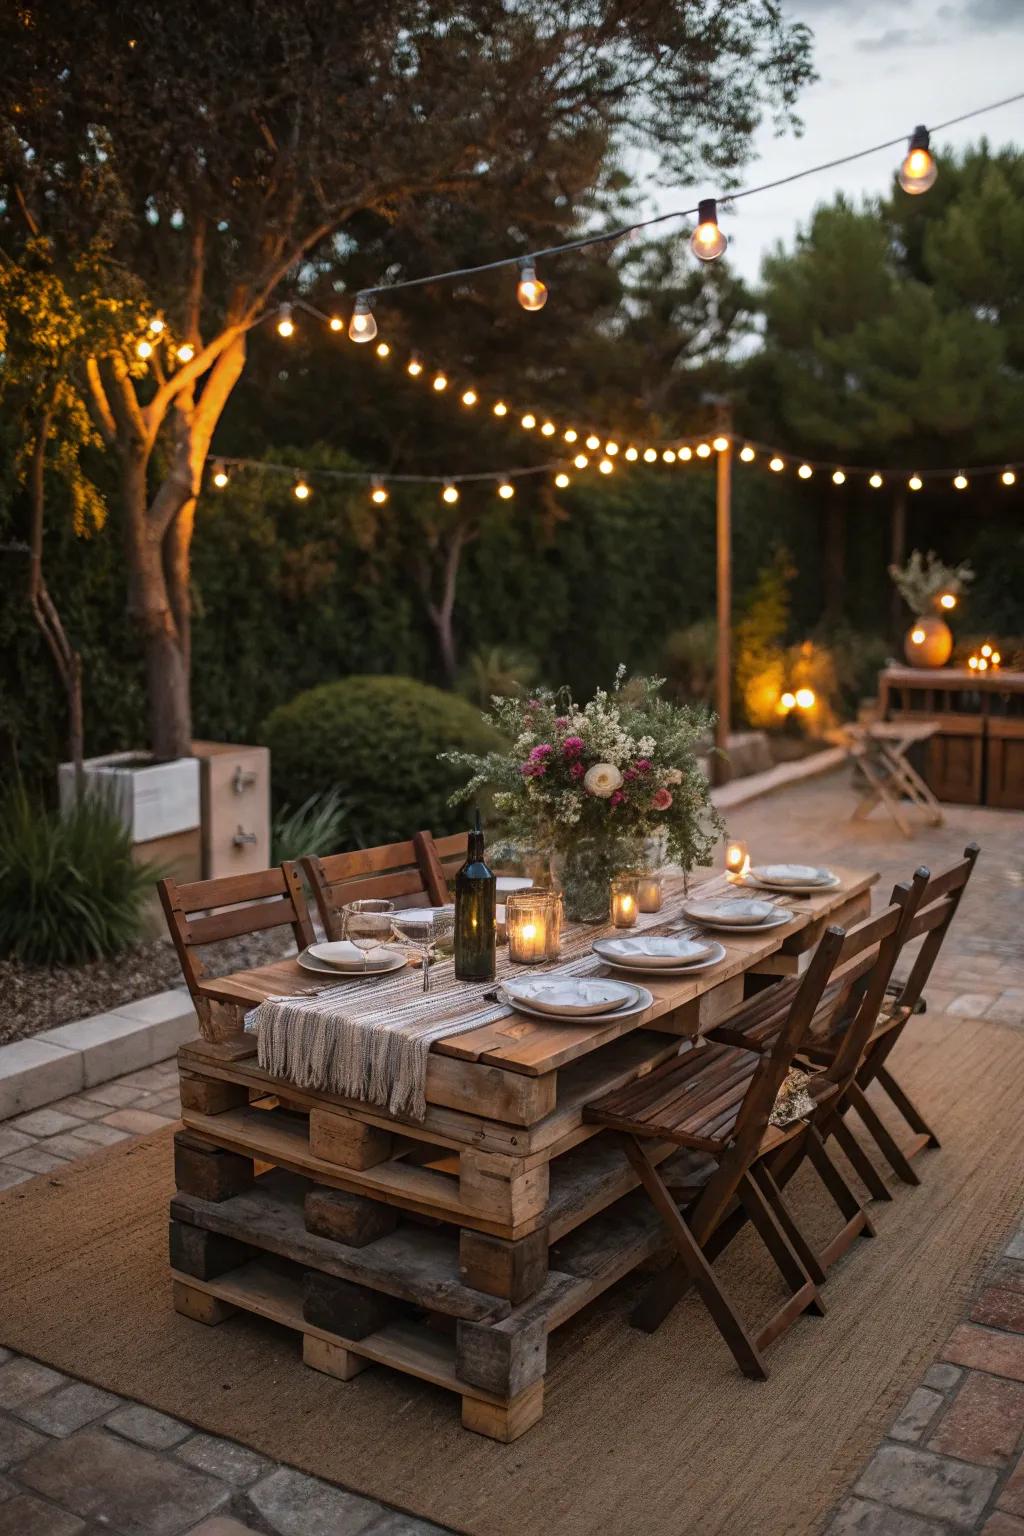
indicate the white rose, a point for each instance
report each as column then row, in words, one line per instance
column 602, row 780
column 674, row 776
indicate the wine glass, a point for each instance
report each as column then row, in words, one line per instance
column 367, row 924
column 427, row 929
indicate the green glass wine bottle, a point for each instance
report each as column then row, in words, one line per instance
column 475, row 898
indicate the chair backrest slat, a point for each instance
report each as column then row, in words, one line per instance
column 407, row 872
column 938, row 906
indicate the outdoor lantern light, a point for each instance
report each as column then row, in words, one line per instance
column 500, row 408
column 440, row 382
column 947, row 600
column 737, row 858
column 362, row 326
column 220, row 475
column 469, row 397
column 531, row 292
column 300, row 490
column 805, row 698
column 450, row 494
column 1008, row 477
column 875, row 481
column 414, row 367
column 986, row 650
column 747, row 453
column 787, row 701
column 960, row 481
column 918, row 171
column 562, row 480
column 379, row 493
column 776, row 463
column 286, row 325
column 506, row 490
column 707, row 241
column 382, row 349
column 529, row 421
column 838, row 477
column 805, row 471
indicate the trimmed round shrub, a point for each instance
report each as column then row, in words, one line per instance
column 376, row 740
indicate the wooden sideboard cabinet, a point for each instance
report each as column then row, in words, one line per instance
column 976, row 756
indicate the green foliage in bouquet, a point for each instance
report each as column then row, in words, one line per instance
column 620, row 769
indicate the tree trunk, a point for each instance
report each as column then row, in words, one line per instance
column 443, row 613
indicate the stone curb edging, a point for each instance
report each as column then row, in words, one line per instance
column 62, row 1061
column 782, row 776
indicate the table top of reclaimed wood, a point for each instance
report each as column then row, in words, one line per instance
column 533, row 1046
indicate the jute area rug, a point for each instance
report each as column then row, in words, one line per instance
column 658, row 1434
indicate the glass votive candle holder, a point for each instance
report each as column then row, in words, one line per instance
column 529, row 918
column 623, row 902
column 737, row 858
column 648, row 893
column 556, row 918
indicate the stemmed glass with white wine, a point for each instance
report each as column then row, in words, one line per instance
column 367, row 924
column 428, row 929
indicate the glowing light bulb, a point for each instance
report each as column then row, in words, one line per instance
column 805, row 698
column 788, row 701
column 186, row 352
column 875, row 481
column 805, row 471
column 450, row 494
column 686, row 454
column 570, row 435
column 529, row 421
column 776, row 464
column 414, row 367
column 915, row 482
column 220, row 475
column 747, row 453
column 606, row 466
column 469, row 397
column 720, row 444
column 707, row 241
column 947, row 600
column 562, row 480
column 286, row 325
column 632, row 454
column 531, row 292
column 650, row 454
column 547, row 429
column 439, row 382
column 1008, row 477
column 581, row 461
column 382, row 349
column 669, row 456
column 300, row 490
column 506, row 490
column 611, row 449
column 145, row 349
column 960, row 481
column 362, row 326
column 500, row 408
column 593, row 442
column 983, row 665
column 972, row 662
column 379, row 493
column 336, row 323
column 918, row 171
column 156, row 325
column 996, row 658
column 918, row 636
column 838, row 477
column 986, row 649
column 703, row 450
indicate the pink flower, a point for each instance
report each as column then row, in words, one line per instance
column 661, row 799
column 617, row 798
column 533, row 770
column 538, row 754
column 644, row 765
column 561, row 722
column 577, row 771
column 572, row 746
column 630, row 774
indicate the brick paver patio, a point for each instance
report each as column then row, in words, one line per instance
column 75, row 1461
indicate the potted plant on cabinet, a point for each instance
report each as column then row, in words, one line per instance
column 930, row 589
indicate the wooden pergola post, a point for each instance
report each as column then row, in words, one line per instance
column 723, row 535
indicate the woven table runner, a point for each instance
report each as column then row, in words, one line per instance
column 369, row 1040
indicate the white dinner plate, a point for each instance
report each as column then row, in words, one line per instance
column 643, row 1000
column 729, row 911
column 569, row 996
column 506, row 883
column 309, row 962
column 758, row 880
column 636, row 968
column 654, row 953
column 778, row 918
column 343, row 955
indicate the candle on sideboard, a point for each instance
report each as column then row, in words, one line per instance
column 648, row 893
column 624, row 901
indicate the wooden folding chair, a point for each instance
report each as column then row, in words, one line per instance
column 718, row 1099
column 228, row 908
column 878, row 751
column 407, row 873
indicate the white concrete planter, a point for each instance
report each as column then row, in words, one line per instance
column 153, row 799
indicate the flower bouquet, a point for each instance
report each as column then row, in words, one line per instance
column 594, row 785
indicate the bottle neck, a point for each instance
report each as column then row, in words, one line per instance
column 475, row 848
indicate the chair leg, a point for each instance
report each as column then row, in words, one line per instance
column 907, row 1108
column 713, row 1294
column 876, row 1127
column 859, row 1160
column 805, row 1251
column 858, row 1222
column 804, row 1294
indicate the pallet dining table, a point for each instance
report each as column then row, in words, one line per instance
column 448, row 1247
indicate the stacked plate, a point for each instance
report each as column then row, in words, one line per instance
column 668, row 956
column 342, row 958
column 574, row 997
column 798, row 879
column 732, row 914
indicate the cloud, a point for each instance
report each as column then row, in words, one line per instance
column 991, row 14
column 898, row 37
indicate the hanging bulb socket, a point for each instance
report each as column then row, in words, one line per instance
column 531, row 292
column 450, row 494
column 707, row 241
column 285, row 324
column 378, row 491
column 220, row 474
column 414, row 367
column 506, row 490
column 362, row 326
column 918, row 171
column 300, row 490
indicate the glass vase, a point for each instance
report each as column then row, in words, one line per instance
column 584, row 873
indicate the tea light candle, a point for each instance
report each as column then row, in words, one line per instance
column 737, row 859
column 528, row 917
column 648, row 893
column 624, row 901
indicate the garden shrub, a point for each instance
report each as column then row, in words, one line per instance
column 69, row 888
column 376, row 740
